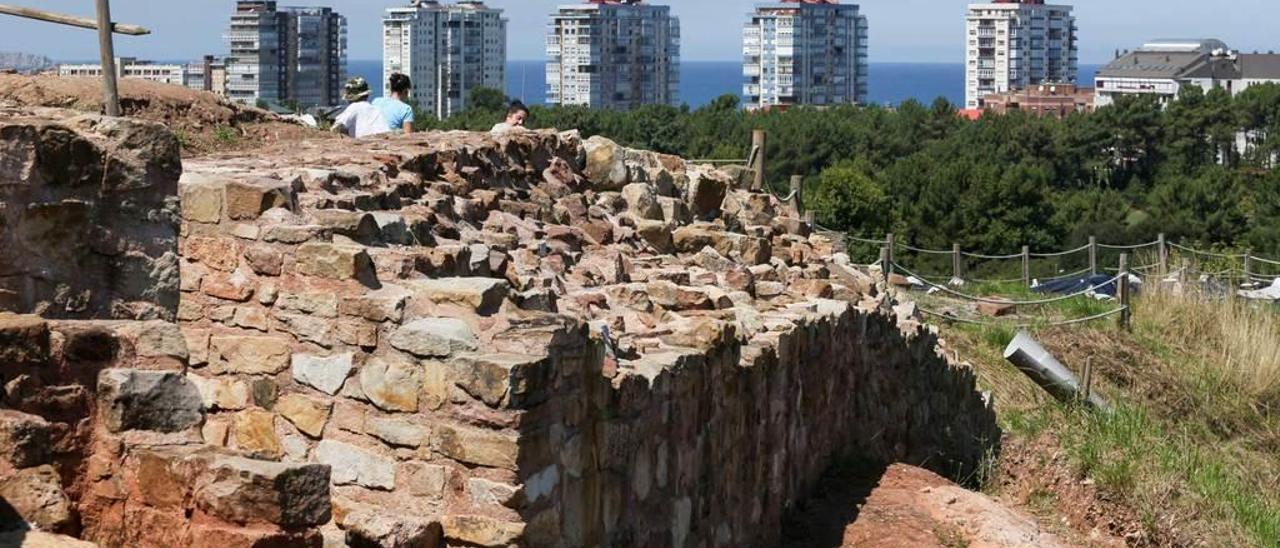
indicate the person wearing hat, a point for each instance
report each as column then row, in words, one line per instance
column 360, row 119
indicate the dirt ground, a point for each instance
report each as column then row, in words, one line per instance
column 204, row 122
column 897, row 506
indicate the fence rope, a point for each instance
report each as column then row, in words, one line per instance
column 990, row 257
column 1206, row 253
column 1062, row 323
column 925, row 251
column 1060, row 253
column 1130, row 247
column 973, row 298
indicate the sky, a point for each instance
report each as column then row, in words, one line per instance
column 900, row 30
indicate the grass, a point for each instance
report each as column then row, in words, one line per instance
column 226, row 135
column 1193, row 442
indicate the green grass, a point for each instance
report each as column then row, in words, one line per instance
column 226, row 135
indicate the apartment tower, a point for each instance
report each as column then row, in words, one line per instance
column 447, row 50
column 616, row 54
column 1016, row 44
column 804, row 52
column 290, row 54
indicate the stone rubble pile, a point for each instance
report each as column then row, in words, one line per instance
column 488, row 341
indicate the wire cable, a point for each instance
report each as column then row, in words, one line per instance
column 1062, row 323
column 995, row 301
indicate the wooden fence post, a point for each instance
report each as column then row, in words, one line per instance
column 1088, row 379
column 758, row 141
column 889, row 245
column 1093, row 255
column 1248, row 267
column 1026, row 266
column 1164, row 257
column 886, row 264
column 810, row 217
column 106, row 46
column 957, row 262
column 797, row 193
column 1122, row 292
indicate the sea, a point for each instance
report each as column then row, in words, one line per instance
column 703, row 81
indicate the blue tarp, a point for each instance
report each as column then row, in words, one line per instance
column 1101, row 284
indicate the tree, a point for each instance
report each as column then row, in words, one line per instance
column 486, row 99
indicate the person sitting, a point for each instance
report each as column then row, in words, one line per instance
column 360, row 119
column 517, row 114
column 399, row 114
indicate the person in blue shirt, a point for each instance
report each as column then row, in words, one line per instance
column 399, row 115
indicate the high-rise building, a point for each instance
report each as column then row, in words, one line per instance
column 616, row 54
column 1016, row 44
column 286, row 54
column 804, row 52
column 447, row 50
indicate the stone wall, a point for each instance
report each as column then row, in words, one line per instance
column 100, row 426
column 540, row 341
column 87, row 216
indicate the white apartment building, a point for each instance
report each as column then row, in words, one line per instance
column 1161, row 68
column 286, row 54
column 804, row 52
column 1016, row 44
column 129, row 67
column 446, row 50
column 615, row 54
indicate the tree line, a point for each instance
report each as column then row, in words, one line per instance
column 1200, row 169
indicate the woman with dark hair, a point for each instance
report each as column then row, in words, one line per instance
column 399, row 114
column 517, row 114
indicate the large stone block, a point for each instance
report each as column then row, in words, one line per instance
column 35, row 496
column 434, row 337
column 504, row 380
column 482, row 530
column 326, row 374
column 391, row 384
column 249, row 355
column 24, row 439
column 482, row 295
column 334, row 261
column 254, row 433
column 367, row 527
column 241, row 490
column 310, row 415
column 201, row 198
column 24, row 340
column 148, row 400
column 247, row 200
column 355, row 466
column 476, row 446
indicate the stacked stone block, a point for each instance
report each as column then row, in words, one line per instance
column 534, row 340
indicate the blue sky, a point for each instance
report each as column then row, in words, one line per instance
column 901, row 30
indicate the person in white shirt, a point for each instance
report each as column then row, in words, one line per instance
column 517, row 114
column 360, row 119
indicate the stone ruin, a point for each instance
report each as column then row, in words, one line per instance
column 436, row 339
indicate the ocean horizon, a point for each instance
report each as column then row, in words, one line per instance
column 703, row 81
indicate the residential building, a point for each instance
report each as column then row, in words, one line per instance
column 208, row 75
column 616, row 54
column 804, row 52
column 1047, row 100
column 1161, row 68
column 1018, row 44
column 286, row 54
column 129, row 67
column 447, row 50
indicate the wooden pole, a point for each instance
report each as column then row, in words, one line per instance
column 886, row 264
column 106, row 47
column 82, row 22
column 1248, row 268
column 890, row 245
column 758, row 141
column 1026, row 266
column 1093, row 255
column 811, row 217
column 1164, row 257
column 957, row 262
column 1122, row 291
column 797, row 188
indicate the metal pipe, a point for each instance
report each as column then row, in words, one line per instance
column 1035, row 362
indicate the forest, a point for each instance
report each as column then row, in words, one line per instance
column 1200, row 169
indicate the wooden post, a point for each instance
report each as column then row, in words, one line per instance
column 811, row 217
column 1122, row 291
column 957, row 262
column 1026, row 266
column 1093, row 255
column 107, row 49
column 1164, row 257
column 1248, row 268
column 890, row 245
column 885, row 264
column 758, row 141
column 797, row 190
column 69, row 20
